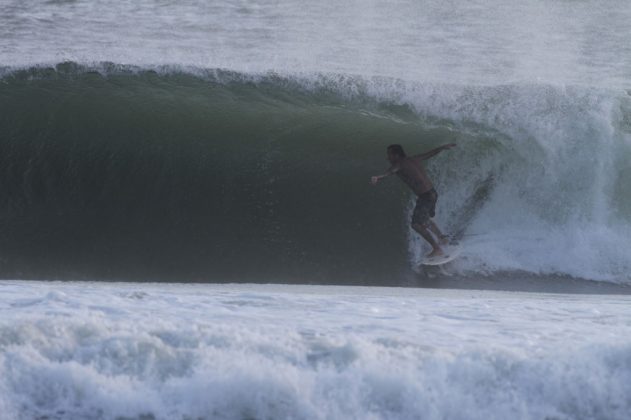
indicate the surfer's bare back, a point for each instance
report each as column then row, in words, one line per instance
column 412, row 172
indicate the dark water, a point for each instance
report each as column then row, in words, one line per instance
column 148, row 176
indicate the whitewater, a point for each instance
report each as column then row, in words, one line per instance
column 87, row 350
column 187, row 230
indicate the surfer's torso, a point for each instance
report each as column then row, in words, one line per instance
column 412, row 172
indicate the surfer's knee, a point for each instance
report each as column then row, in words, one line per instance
column 420, row 226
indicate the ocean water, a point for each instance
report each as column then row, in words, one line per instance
column 232, row 141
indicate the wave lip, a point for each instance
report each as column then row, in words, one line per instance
column 113, row 171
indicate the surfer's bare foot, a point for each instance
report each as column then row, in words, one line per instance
column 437, row 252
column 444, row 240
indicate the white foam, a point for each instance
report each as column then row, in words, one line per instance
column 553, row 156
column 211, row 351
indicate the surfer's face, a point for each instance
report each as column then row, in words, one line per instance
column 393, row 157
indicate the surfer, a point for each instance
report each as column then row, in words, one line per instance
column 412, row 172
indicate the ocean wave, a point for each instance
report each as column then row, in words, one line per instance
column 113, row 171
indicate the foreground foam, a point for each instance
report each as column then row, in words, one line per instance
column 163, row 352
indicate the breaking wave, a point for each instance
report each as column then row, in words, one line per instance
column 120, row 172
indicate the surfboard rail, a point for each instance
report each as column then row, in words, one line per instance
column 451, row 253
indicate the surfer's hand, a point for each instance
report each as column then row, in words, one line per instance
column 374, row 180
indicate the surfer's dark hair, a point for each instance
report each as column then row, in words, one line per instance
column 396, row 149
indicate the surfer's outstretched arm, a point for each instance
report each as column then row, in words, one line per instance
column 377, row 178
column 434, row 152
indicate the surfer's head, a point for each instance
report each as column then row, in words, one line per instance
column 395, row 153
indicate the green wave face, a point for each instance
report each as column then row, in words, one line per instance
column 152, row 175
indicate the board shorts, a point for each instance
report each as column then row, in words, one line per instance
column 425, row 207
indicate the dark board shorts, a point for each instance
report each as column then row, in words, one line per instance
column 425, row 207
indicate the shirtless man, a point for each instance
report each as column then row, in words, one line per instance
column 412, row 172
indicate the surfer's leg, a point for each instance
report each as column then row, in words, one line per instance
column 421, row 223
column 425, row 233
column 431, row 210
column 444, row 239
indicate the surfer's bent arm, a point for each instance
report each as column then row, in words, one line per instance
column 389, row 172
column 434, row 152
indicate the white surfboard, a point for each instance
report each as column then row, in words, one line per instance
column 451, row 253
